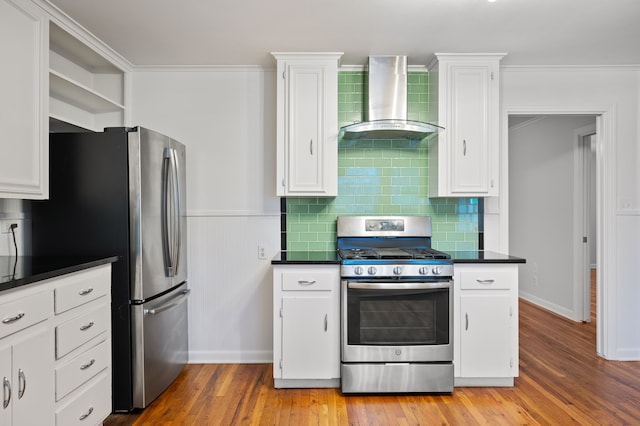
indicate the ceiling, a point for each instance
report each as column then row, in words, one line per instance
column 244, row 32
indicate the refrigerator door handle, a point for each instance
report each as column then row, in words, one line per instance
column 167, row 247
column 177, row 300
column 177, row 210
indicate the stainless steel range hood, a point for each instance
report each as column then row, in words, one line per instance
column 386, row 109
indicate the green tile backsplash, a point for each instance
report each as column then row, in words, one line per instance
column 381, row 177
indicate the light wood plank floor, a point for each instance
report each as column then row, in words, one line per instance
column 562, row 382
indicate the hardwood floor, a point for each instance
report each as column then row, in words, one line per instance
column 562, row 381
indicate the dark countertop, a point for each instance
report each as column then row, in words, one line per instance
column 483, row 256
column 23, row 270
column 306, row 258
column 331, row 257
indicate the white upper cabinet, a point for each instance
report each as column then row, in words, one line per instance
column 307, row 124
column 24, row 162
column 86, row 89
column 464, row 158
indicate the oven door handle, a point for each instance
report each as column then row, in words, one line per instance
column 398, row 286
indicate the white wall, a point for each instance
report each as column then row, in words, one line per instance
column 541, row 208
column 226, row 118
column 616, row 92
column 13, row 211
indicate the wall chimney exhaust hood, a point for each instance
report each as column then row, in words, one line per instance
column 386, row 109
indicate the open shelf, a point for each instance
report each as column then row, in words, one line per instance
column 85, row 89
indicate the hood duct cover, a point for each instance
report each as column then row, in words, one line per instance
column 386, row 113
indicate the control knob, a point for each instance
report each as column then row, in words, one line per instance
column 372, row 270
column 436, row 270
column 358, row 270
column 397, row 270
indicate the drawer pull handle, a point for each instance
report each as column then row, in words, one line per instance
column 87, row 365
column 86, row 326
column 22, row 383
column 87, row 414
column 326, row 322
column 306, row 282
column 85, row 292
column 485, row 281
column 466, row 321
column 6, row 392
column 13, row 319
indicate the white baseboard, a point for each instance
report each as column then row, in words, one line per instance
column 230, row 357
column 562, row 311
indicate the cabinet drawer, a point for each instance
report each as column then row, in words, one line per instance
column 75, row 332
column 82, row 368
column 485, row 280
column 24, row 312
column 309, row 280
column 89, row 407
column 81, row 288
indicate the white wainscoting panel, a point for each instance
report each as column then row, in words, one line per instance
column 230, row 307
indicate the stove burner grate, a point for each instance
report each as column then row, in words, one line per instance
column 392, row 253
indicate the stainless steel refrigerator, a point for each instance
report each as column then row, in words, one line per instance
column 122, row 192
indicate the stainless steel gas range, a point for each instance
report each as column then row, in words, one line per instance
column 396, row 306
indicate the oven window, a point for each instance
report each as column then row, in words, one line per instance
column 397, row 317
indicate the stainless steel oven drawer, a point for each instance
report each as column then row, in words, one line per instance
column 400, row 377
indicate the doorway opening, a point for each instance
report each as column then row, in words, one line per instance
column 550, row 208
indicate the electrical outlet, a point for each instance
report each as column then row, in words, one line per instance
column 261, row 252
column 5, row 226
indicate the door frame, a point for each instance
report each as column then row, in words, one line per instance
column 581, row 221
column 497, row 221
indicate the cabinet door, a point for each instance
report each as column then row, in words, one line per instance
column 307, row 124
column 464, row 158
column 310, row 341
column 469, row 130
column 23, row 108
column 305, row 85
column 6, row 385
column 485, row 343
column 33, row 378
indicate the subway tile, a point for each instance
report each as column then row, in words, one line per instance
column 381, row 177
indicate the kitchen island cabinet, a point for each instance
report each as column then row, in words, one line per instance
column 306, row 336
column 464, row 157
column 307, row 124
column 24, row 162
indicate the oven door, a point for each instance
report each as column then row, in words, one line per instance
column 397, row 321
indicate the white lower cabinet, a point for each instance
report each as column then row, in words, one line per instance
column 27, row 382
column 486, row 324
column 56, row 368
column 306, row 350
column 83, row 347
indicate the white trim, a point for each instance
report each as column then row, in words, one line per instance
column 231, row 213
column 569, row 68
column 527, row 123
column 74, row 28
column 545, row 304
column 231, row 357
column 203, row 68
column 606, row 321
column 581, row 215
